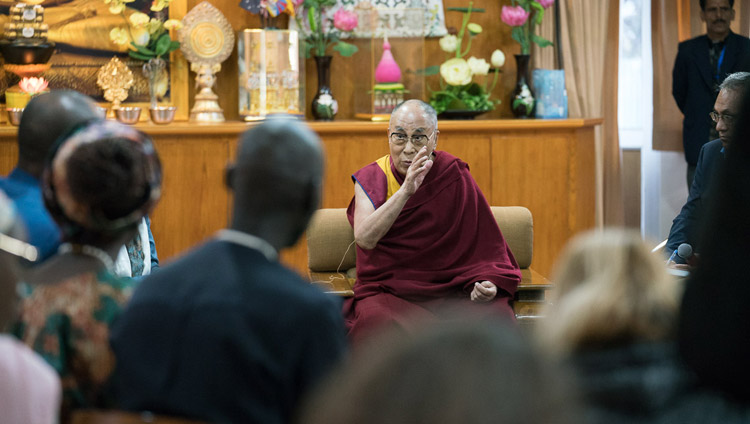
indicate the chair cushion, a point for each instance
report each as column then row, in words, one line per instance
column 517, row 226
column 328, row 237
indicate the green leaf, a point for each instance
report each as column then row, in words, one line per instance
column 139, row 56
column 311, row 19
column 174, row 45
column 539, row 12
column 307, row 49
column 143, row 50
column 517, row 34
column 162, row 45
column 464, row 9
column 345, row 49
column 541, row 41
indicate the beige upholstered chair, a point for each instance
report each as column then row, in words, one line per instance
column 331, row 254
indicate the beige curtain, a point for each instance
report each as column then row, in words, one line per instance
column 673, row 21
column 544, row 58
column 590, row 40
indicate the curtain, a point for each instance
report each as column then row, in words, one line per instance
column 673, row 21
column 589, row 42
column 544, row 57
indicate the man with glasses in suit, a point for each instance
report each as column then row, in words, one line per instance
column 685, row 226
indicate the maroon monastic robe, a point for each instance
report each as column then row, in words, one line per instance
column 444, row 240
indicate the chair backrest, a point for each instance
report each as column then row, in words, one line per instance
column 329, row 235
column 95, row 416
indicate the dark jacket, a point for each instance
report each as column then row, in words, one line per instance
column 685, row 225
column 225, row 335
column 636, row 383
column 693, row 87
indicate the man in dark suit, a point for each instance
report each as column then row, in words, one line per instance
column 701, row 65
column 685, row 226
column 226, row 333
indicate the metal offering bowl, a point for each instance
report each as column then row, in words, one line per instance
column 162, row 114
column 102, row 111
column 128, row 115
column 14, row 115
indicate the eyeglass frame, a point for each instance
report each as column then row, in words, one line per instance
column 410, row 139
column 726, row 117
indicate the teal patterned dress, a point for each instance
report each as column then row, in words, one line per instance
column 68, row 323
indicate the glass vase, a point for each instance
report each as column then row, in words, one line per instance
column 522, row 99
column 324, row 106
column 155, row 71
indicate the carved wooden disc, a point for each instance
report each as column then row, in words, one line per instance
column 207, row 37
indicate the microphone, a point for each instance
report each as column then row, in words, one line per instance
column 682, row 254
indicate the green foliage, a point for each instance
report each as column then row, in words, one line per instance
column 464, row 9
column 541, row 41
column 468, row 97
column 345, row 49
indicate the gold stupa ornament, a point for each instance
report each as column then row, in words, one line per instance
column 206, row 40
column 115, row 79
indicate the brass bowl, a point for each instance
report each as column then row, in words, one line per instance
column 128, row 115
column 14, row 115
column 162, row 114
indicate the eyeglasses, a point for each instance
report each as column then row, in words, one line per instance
column 417, row 140
column 728, row 119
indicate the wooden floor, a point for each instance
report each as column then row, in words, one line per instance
column 544, row 165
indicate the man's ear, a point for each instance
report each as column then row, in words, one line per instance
column 229, row 174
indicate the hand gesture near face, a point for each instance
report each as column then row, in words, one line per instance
column 484, row 291
column 417, row 171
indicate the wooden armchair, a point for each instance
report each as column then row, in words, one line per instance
column 331, row 254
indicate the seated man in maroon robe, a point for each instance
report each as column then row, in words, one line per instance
column 426, row 237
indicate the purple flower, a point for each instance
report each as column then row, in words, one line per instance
column 514, row 15
column 345, row 20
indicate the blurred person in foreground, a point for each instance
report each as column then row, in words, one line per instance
column 612, row 318
column 29, row 388
column 46, row 119
column 227, row 333
column 426, row 236
column 469, row 372
column 98, row 184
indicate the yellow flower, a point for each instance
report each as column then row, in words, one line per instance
column 116, row 8
column 140, row 36
column 449, row 43
column 119, row 36
column 478, row 66
column 159, row 5
column 172, row 24
column 139, row 19
column 154, row 26
column 456, row 71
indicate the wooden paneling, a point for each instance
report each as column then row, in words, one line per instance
column 546, row 166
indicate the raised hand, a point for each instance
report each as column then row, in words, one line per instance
column 415, row 175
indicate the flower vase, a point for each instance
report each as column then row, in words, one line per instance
column 324, row 106
column 155, row 71
column 522, row 99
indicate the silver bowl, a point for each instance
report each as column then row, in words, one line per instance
column 102, row 111
column 128, row 115
column 162, row 114
column 14, row 115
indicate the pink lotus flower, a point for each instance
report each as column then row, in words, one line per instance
column 546, row 3
column 345, row 20
column 514, row 15
column 33, row 85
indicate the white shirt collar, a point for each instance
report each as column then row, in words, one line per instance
column 248, row 240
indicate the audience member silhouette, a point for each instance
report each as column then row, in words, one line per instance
column 226, row 333
column 98, row 185
column 468, row 372
column 612, row 319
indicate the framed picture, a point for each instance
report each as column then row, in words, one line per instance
column 80, row 30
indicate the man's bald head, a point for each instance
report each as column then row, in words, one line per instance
column 416, row 106
column 277, row 178
column 47, row 118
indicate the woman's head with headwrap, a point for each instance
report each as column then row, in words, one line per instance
column 100, row 181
